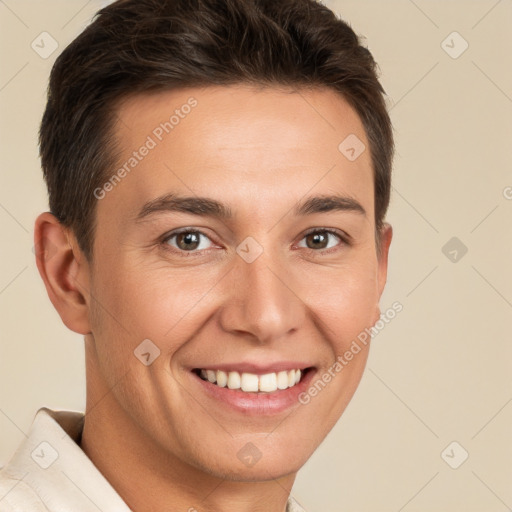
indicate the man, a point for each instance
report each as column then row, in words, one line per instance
column 218, row 174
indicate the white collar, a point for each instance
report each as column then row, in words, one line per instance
column 53, row 472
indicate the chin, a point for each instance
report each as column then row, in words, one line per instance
column 252, row 464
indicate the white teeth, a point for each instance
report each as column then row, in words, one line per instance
column 268, row 382
column 234, row 380
column 282, row 380
column 222, row 378
column 249, row 382
column 252, row 383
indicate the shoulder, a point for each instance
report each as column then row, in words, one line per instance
column 26, row 480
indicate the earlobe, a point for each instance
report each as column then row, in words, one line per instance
column 386, row 234
column 64, row 270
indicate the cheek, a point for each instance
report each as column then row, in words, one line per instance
column 156, row 303
column 346, row 302
column 345, row 306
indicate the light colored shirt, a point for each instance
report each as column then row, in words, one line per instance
column 49, row 472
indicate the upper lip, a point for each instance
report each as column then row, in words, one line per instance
column 256, row 368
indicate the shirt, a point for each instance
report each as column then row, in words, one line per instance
column 49, row 472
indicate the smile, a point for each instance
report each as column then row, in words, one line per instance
column 252, row 389
column 251, row 382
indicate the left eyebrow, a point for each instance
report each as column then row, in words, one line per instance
column 328, row 203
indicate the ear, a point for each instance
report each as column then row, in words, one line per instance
column 386, row 235
column 64, row 270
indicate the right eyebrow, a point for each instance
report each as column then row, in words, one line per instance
column 203, row 206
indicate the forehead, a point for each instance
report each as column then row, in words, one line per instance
column 239, row 143
column 253, row 115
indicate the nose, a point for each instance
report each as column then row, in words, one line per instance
column 263, row 300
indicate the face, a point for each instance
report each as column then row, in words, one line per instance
column 220, row 245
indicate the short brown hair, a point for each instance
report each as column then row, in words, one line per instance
column 136, row 46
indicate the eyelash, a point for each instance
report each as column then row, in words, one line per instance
column 345, row 240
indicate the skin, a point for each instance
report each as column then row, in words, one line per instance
column 151, row 430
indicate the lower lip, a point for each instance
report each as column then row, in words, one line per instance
column 257, row 404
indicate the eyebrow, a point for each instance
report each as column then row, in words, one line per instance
column 208, row 207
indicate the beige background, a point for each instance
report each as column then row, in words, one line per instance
column 440, row 371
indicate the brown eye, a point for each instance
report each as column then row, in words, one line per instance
column 321, row 239
column 187, row 241
column 317, row 240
